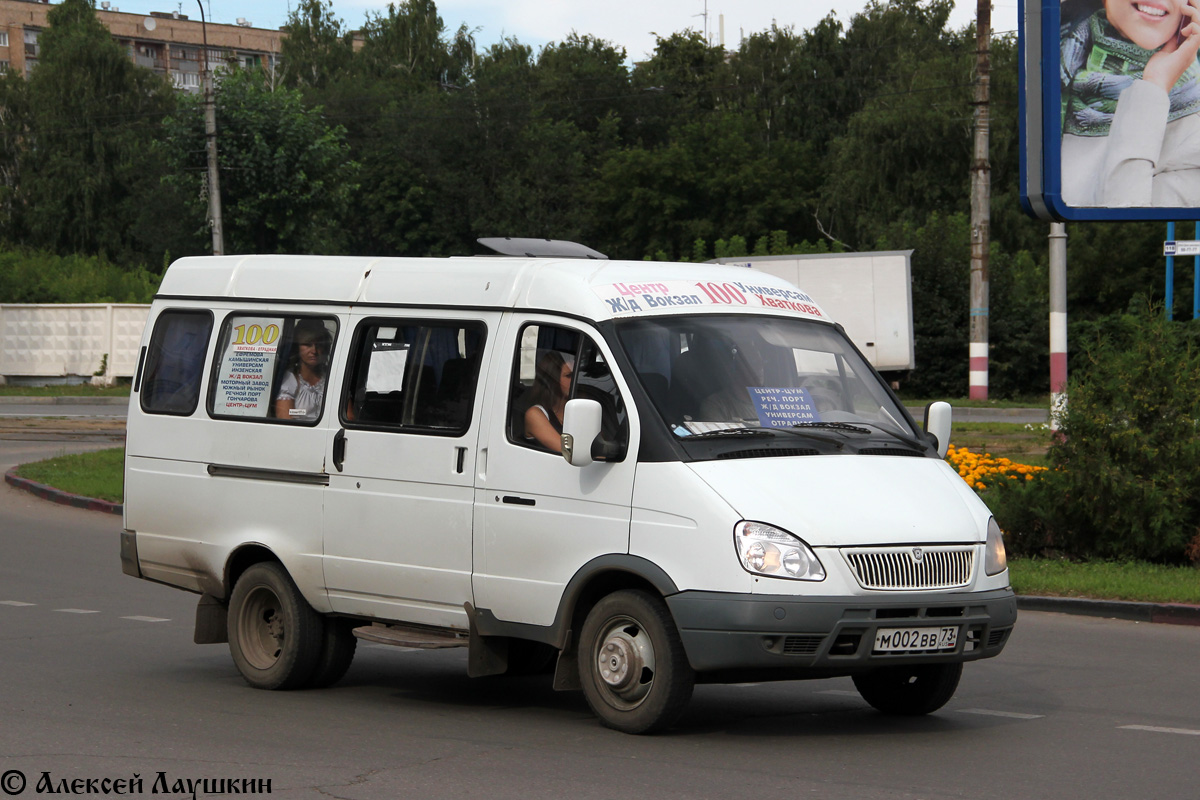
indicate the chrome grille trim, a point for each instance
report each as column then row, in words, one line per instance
column 897, row 569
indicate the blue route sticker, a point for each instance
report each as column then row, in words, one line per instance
column 783, row 408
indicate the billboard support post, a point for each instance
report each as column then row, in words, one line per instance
column 1196, row 278
column 1058, row 321
column 980, row 210
column 1170, row 287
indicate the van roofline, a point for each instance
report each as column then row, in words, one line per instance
column 589, row 289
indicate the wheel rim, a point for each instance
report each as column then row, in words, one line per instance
column 625, row 664
column 261, row 630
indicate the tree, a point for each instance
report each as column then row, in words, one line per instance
column 286, row 175
column 91, row 117
column 316, row 50
column 408, row 46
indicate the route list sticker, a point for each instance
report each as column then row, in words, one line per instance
column 782, row 408
column 244, row 385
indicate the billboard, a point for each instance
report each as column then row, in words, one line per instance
column 1110, row 109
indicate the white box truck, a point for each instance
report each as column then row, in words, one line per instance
column 870, row 294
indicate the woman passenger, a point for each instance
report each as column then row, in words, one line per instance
column 303, row 386
column 548, row 397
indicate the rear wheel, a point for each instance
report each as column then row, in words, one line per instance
column 634, row 671
column 909, row 690
column 337, row 651
column 274, row 635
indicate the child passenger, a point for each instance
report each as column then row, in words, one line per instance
column 1130, row 93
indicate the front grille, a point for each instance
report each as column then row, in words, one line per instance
column 900, row 568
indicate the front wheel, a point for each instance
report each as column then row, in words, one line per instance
column 909, row 690
column 632, row 665
column 275, row 636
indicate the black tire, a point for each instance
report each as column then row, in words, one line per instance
column 634, row 672
column 274, row 635
column 337, row 652
column 909, row 690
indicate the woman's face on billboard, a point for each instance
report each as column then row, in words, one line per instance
column 1147, row 23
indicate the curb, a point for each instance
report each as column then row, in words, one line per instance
column 1168, row 613
column 59, row 496
column 62, row 400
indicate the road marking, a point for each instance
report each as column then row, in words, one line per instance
column 989, row 713
column 1152, row 729
column 15, row 603
column 147, row 619
column 76, row 611
column 839, row 692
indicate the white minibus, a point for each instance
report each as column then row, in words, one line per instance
column 635, row 475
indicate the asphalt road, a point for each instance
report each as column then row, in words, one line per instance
column 99, row 679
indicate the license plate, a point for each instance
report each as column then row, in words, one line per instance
column 915, row 640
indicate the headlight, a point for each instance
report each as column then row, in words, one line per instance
column 767, row 550
column 995, row 561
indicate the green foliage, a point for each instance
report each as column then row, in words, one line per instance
column 316, row 50
column 30, row 276
column 286, row 175
column 1123, row 483
column 87, row 120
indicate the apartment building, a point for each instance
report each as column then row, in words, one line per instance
column 169, row 43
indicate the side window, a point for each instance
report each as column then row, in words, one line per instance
column 175, row 362
column 415, row 375
column 554, row 364
column 271, row 367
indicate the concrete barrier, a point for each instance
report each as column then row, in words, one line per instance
column 95, row 341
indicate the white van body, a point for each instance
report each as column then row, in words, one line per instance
column 809, row 529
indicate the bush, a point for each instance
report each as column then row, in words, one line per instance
column 31, row 276
column 1123, row 483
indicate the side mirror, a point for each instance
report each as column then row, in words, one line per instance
column 581, row 426
column 937, row 424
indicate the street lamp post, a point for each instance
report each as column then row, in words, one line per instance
column 210, row 135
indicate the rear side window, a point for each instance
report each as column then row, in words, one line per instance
column 272, row 368
column 418, row 376
column 175, row 362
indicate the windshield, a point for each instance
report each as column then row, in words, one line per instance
column 713, row 373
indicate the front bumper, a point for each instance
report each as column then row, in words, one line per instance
column 833, row 634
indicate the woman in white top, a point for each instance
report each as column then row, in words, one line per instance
column 1130, row 92
column 303, row 387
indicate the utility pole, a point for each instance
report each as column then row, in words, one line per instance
column 980, row 208
column 210, row 136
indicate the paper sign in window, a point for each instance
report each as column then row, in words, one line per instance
column 386, row 373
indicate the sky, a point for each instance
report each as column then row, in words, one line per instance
column 631, row 24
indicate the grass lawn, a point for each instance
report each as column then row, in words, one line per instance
column 82, row 390
column 1036, row 401
column 97, row 474
column 1023, row 443
column 1106, row 580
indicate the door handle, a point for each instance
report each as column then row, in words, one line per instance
column 339, row 448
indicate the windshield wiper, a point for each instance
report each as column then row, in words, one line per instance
column 729, row 432
column 917, row 443
column 837, row 426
